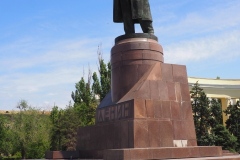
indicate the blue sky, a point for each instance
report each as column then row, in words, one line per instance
column 47, row 46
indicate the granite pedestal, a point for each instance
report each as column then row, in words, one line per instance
column 148, row 113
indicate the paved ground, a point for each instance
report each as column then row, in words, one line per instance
column 212, row 158
column 234, row 157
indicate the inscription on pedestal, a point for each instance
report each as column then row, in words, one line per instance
column 115, row 112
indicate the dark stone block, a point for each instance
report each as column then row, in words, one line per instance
column 144, row 91
column 167, row 72
column 140, row 45
column 121, row 48
column 131, row 133
column 149, row 109
column 179, row 132
column 157, row 106
column 155, row 73
column 185, row 92
column 163, row 90
column 153, row 133
column 116, row 58
column 149, row 62
column 180, row 74
column 186, row 111
column 92, row 141
column 176, row 110
column 210, row 151
column 98, row 138
column 152, row 55
column 142, row 69
column 194, row 152
column 162, row 153
column 192, row 142
column 124, row 133
column 189, row 129
column 166, row 110
column 117, row 132
column 156, row 47
column 171, row 91
column 110, row 136
column 154, row 89
column 132, row 55
column 166, row 133
column 132, row 62
column 181, row 153
column 178, row 92
column 140, row 154
column 140, row 108
column 141, row 134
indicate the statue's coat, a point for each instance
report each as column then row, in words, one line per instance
column 140, row 10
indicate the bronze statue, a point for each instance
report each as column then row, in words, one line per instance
column 133, row 11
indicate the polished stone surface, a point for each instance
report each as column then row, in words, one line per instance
column 148, row 113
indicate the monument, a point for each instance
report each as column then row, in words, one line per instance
column 130, row 12
column 147, row 114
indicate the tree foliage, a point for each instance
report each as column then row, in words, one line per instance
column 26, row 133
column 233, row 122
column 222, row 137
column 56, row 135
column 201, row 115
column 82, row 113
column 2, row 133
column 31, row 130
column 208, row 121
column 102, row 87
column 88, row 94
column 85, row 103
column 216, row 112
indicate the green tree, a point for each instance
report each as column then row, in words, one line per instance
column 233, row 122
column 85, row 103
column 102, row 87
column 69, row 124
column 87, row 93
column 222, row 137
column 216, row 112
column 6, row 136
column 2, row 133
column 201, row 115
column 208, row 121
column 32, row 131
column 56, row 134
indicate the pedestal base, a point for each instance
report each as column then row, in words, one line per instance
column 162, row 153
column 148, row 114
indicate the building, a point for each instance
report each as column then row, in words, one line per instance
column 228, row 90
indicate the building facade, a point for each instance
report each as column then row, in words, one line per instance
column 228, row 90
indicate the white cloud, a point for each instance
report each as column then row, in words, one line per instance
column 47, row 74
column 218, row 47
column 216, row 18
column 44, row 70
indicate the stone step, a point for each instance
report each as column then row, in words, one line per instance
column 228, row 153
column 162, row 153
column 232, row 157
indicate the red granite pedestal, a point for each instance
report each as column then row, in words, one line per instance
column 147, row 114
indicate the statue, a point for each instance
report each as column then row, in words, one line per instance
column 133, row 11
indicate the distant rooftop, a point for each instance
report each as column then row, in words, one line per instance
column 224, row 88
